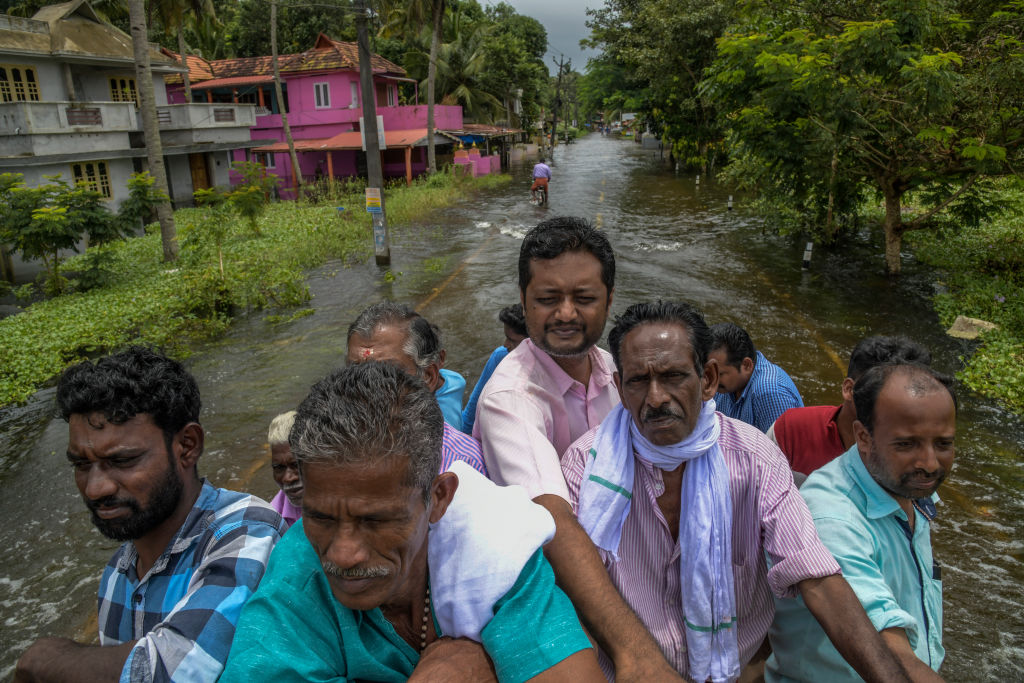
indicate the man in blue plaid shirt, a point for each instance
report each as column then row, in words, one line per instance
column 170, row 597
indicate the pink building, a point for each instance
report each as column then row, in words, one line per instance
column 322, row 97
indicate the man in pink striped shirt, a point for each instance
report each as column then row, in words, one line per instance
column 554, row 387
column 667, row 386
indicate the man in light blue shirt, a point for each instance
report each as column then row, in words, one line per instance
column 873, row 508
column 750, row 387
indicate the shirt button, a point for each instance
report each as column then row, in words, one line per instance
column 138, row 598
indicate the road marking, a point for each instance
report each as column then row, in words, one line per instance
column 598, row 220
column 601, row 198
column 804, row 323
column 437, row 290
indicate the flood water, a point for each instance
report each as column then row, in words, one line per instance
column 673, row 239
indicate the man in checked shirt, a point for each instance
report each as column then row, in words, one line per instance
column 193, row 554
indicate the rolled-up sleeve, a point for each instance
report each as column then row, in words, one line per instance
column 193, row 640
column 514, row 436
column 856, row 552
column 788, row 533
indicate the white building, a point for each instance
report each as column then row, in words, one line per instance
column 68, row 106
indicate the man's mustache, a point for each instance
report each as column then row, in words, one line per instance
column 658, row 413
column 334, row 570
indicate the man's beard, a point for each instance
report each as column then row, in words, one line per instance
column 165, row 497
column 580, row 349
column 900, row 487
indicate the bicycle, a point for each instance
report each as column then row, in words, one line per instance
column 539, row 197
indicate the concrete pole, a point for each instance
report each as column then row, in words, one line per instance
column 374, row 172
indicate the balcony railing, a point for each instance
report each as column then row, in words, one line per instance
column 202, row 115
column 66, row 117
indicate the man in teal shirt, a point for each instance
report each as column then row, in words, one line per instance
column 396, row 572
column 873, row 508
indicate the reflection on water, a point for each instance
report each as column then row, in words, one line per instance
column 672, row 239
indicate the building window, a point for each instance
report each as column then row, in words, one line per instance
column 18, row 83
column 322, row 92
column 391, row 96
column 94, row 175
column 122, row 89
column 354, row 87
column 268, row 159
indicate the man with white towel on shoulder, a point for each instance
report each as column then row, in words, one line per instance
column 684, row 504
column 396, row 572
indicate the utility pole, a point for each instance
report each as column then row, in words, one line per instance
column 281, row 104
column 554, row 109
column 374, row 172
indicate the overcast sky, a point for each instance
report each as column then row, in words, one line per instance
column 564, row 21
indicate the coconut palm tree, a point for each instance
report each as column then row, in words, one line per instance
column 461, row 63
column 173, row 15
column 150, row 125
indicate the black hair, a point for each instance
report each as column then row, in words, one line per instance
column 513, row 317
column 879, row 349
column 423, row 344
column 553, row 237
column 923, row 380
column 736, row 342
column 367, row 413
column 678, row 313
column 136, row 381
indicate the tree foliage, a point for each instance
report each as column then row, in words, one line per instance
column 889, row 97
column 656, row 51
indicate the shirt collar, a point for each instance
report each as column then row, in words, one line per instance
column 599, row 372
column 879, row 502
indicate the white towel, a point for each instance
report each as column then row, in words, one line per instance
column 477, row 550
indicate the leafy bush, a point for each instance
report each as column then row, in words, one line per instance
column 224, row 270
column 983, row 268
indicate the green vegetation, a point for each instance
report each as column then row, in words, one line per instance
column 984, row 278
column 225, row 270
column 826, row 106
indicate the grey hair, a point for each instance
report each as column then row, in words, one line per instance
column 368, row 413
column 423, row 343
column 279, row 428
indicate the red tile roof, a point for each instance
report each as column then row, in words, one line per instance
column 325, row 55
column 232, row 82
column 352, row 139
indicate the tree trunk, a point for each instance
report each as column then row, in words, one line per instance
column 151, row 126
column 184, row 62
column 435, row 42
column 296, row 171
column 830, row 226
column 893, row 228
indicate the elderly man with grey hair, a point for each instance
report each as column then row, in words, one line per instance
column 395, row 332
column 396, row 572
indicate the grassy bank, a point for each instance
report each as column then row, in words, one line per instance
column 983, row 272
column 225, row 270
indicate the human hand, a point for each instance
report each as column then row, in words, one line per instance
column 448, row 659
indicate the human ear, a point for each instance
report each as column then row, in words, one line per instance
column 848, row 390
column 187, row 445
column 709, row 381
column 442, row 491
column 862, row 436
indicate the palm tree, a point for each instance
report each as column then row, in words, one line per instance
column 151, row 127
column 296, row 171
column 407, row 19
column 437, row 13
column 173, row 14
column 462, row 62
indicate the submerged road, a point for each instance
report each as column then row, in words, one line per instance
column 673, row 239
